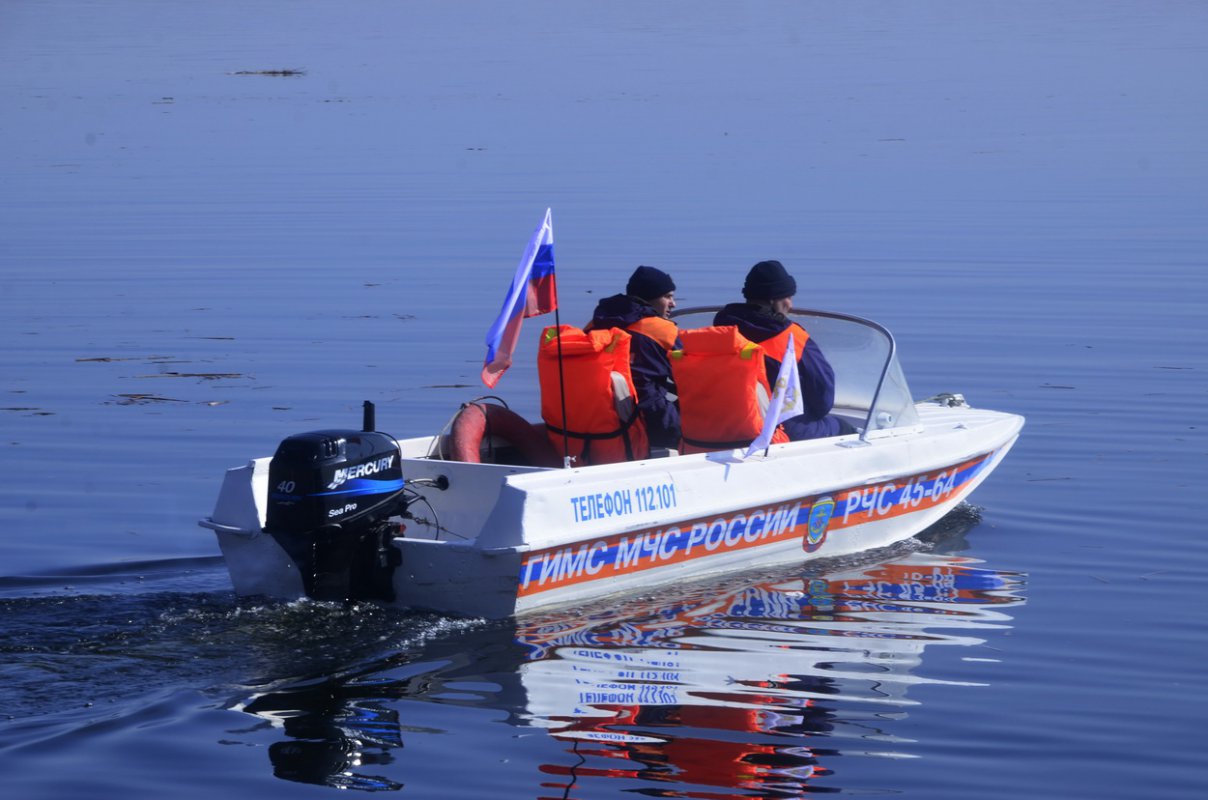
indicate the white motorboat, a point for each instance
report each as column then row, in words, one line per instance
column 357, row 514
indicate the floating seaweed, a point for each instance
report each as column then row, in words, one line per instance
column 139, row 398
column 205, row 376
column 112, row 359
column 274, row 73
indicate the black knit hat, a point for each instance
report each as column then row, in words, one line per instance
column 769, row 280
column 649, row 283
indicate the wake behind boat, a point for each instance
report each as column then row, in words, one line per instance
column 342, row 514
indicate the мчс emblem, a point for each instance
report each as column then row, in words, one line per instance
column 819, row 521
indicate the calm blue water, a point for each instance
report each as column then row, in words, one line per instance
column 196, row 263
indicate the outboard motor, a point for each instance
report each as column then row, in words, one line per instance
column 331, row 493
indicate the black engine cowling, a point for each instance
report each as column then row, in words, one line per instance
column 330, row 495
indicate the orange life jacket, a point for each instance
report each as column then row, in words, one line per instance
column 603, row 425
column 723, row 389
column 774, row 347
column 663, row 331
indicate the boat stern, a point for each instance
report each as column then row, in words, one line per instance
column 258, row 565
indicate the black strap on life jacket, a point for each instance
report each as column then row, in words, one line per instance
column 588, row 438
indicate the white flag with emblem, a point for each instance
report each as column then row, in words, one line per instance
column 786, row 400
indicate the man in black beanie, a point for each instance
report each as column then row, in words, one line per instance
column 769, row 290
column 643, row 311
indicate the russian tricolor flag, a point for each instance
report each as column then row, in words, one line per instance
column 533, row 292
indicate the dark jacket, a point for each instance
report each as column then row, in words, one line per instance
column 817, row 377
column 650, row 367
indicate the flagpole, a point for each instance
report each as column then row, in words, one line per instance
column 566, row 459
column 527, row 299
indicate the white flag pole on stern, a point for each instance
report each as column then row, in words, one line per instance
column 534, row 291
column 786, row 400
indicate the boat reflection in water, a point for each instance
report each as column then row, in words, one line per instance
column 736, row 688
column 733, row 686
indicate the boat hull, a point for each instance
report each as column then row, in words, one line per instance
column 501, row 540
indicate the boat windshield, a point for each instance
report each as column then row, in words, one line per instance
column 869, row 383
